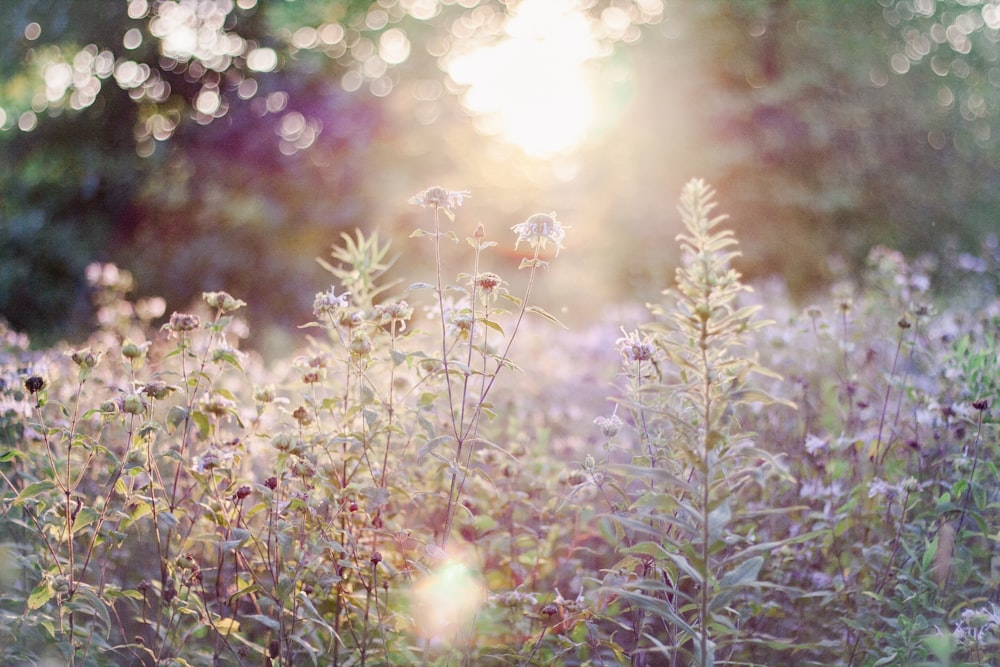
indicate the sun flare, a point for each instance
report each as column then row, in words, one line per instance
column 531, row 87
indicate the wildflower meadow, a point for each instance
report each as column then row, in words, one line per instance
column 444, row 473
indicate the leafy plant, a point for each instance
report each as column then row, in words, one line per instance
column 690, row 550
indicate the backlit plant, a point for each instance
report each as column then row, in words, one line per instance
column 412, row 487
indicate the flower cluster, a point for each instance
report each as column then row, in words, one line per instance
column 978, row 628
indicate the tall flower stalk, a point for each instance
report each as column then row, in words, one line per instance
column 686, row 535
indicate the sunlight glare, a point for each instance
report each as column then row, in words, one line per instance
column 445, row 601
column 532, row 87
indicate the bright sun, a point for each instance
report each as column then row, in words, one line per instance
column 531, row 87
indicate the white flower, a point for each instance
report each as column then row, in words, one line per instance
column 635, row 348
column 609, row 425
column 539, row 229
column 326, row 303
column 814, row 444
column 438, row 197
column 880, row 487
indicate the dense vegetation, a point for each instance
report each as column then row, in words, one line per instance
column 438, row 477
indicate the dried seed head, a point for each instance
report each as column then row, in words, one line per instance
column 34, row 383
column 85, row 359
column 183, row 322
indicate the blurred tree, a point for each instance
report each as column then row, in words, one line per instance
column 224, row 143
column 842, row 152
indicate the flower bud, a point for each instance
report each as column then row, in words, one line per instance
column 133, row 404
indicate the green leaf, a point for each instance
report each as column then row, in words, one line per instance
column 493, row 445
column 43, row 593
column 97, row 605
column 718, row 519
column 433, row 444
column 201, row 420
column 33, row 490
column 541, row 311
column 493, row 325
column 176, row 416
column 744, row 573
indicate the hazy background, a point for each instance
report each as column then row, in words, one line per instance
column 225, row 144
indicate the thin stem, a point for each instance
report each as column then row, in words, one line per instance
column 972, row 473
column 879, row 455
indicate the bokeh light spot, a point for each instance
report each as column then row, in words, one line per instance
column 393, row 46
column 132, row 39
column 208, row 101
column 262, row 59
column 27, row 122
column 446, row 601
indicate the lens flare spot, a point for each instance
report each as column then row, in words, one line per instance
column 532, row 87
column 446, row 601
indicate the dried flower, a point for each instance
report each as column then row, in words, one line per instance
column 635, row 348
column 223, row 301
column 182, row 322
column 34, row 383
column 157, row 389
column 302, row 416
column 327, row 303
column 85, row 359
column 216, row 405
column 488, row 281
column 264, row 394
column 396, row 311
column 303, row 468
column 440, row 198
column 208, row 461
column 539, row 229
column 609, row 425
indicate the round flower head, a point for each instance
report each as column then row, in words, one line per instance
column 539, row 229
column 635, row 348
column 438, row 197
